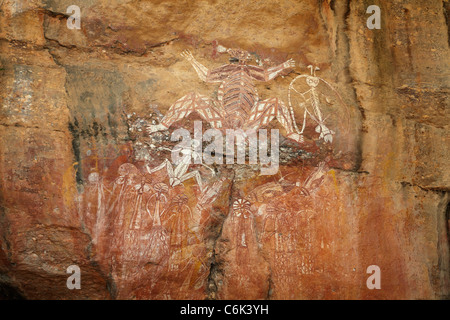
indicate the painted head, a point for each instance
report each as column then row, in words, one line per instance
column 312, row 81
column 238, row 55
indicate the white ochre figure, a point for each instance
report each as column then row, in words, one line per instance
column 178, row 173
column 237, row 105
column 311, row 102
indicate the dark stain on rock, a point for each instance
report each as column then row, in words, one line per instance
column 8, row 292
column 446, row 9
column 447, row 220
column 111, row 286
column 74, row 131
column 94, row 109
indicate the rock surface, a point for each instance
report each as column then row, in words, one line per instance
column 75, row 157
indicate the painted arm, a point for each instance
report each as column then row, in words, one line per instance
column 166, row 163
column 201, row 70
column 273, row 72
column 211, row 169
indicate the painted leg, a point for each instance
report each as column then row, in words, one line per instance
column 193, row 174
column 183, row 107
column 166, row 163
column 265, row 111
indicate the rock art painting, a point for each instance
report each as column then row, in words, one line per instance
column 215, row 150
column 148, row 216
column 237, row 104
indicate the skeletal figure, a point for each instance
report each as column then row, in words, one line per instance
column 140, row 189
column 237, row 104
column 242, row 211
column 316, row 113
column 97, row 185
column 129, row 176
column 178, row 221
column 158, row 248
column 178, row 174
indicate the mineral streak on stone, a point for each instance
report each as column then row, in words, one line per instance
column 84, row 183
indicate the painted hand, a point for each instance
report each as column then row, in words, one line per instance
column 187, row 55
column 289, row 64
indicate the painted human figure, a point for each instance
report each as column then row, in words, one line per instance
column 179, row 173
column 242, row 212
column 237, row 105
column 244, row 232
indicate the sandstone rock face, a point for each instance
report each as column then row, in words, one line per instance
column 85, row 183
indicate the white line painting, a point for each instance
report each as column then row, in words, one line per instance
column 312, row 99
column 145, row 225
column 237, row 104
column 179, row 172
column 148, row 220
column 242, row 212
column 271, row 218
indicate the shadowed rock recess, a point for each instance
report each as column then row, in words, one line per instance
column 87, row 178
